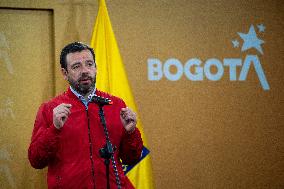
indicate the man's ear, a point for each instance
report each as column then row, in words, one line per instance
column 64, row 73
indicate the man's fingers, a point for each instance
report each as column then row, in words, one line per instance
column 126, row 111
column 60, row 114
column 64, row 110
column 64, row 106
column 128, row 115
column 67, row 105
column 128, row 118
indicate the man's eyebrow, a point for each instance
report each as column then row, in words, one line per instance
column 90, row 61
column 76, row 63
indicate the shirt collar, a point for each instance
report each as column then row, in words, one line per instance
column 81, row 97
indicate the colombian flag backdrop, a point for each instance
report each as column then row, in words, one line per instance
column 112, row 79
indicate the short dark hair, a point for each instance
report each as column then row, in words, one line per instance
column 71, row 48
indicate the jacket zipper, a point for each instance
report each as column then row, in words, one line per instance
column 91, row 147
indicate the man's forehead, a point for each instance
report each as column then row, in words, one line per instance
column 79, row 56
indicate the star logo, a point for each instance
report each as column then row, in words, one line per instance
column 251, row 40
column 235, row 43
column 261, row 28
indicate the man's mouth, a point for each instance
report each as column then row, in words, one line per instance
column 85, row 80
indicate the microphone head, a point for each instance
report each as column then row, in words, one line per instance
column 101, row 101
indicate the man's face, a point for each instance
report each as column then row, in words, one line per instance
column 81, row 71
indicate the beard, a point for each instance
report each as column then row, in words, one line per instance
column 83, row 88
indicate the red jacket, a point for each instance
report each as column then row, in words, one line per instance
column 66, row 152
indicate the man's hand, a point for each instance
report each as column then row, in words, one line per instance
column 60, row 114
column 128, row 119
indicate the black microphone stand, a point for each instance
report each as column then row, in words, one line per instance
column 108, row 150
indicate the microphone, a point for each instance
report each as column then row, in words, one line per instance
column 101, row 101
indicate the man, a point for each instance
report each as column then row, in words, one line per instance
column 68, row 134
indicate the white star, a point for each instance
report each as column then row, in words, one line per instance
column 235, row 43
column 251, row 40
column 261, row 27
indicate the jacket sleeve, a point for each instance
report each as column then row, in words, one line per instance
column 44, row 141
column 131, row 147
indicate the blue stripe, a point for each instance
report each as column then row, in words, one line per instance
column 127, row 168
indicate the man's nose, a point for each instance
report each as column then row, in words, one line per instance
column 85, row 69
